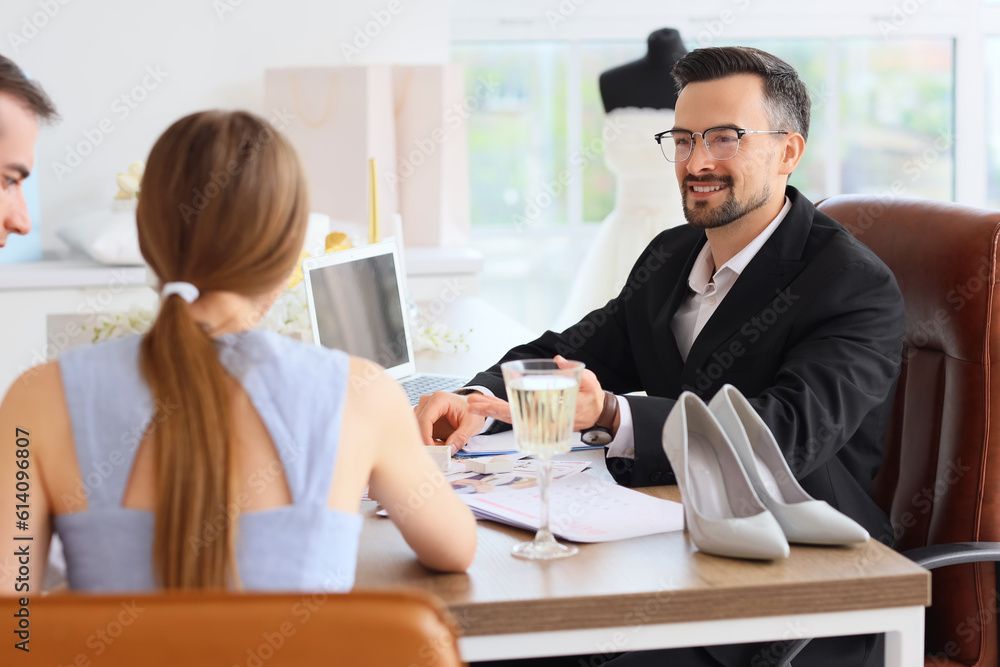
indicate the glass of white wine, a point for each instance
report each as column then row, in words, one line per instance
column 542, row 404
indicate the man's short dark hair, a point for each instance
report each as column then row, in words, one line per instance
column 14, row 83
column 785, row 94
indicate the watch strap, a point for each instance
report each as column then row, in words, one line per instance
column 606, row 419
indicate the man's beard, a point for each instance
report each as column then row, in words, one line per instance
column 731, row 210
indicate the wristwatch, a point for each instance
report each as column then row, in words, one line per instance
column 600, row 432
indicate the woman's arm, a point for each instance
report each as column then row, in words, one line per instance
column 31, row 414
column 404, row 478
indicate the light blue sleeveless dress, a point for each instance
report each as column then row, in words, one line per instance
column 297, row 389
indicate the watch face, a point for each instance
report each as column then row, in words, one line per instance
column 596, row 436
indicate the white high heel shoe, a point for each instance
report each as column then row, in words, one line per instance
column 804, row 519
column 722, row 513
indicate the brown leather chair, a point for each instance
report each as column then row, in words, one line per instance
column 940, row 477
column 250, row 630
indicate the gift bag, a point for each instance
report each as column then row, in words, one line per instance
column 339, row 117
column 431, row 175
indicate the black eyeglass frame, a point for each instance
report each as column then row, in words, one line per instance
column 739, row 138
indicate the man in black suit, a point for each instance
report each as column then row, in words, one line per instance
column 760, row 290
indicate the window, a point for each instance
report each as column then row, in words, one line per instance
column 517, row 137
column 598, row 181
column 882, row 120
column 896, row 121
column 992, row 114
column 517, row 151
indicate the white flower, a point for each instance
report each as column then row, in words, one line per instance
column 137, row 169
column 129, row 184
column 290, row 314
column 135, row 320
column 434, row 336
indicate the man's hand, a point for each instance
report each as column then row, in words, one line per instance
column 589, row 401
column 446, row 416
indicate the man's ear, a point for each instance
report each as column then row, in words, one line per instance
column 795, row 145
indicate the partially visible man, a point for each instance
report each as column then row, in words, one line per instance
column 23, row 104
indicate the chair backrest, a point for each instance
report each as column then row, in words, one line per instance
column 940, row 476
column 249, row 630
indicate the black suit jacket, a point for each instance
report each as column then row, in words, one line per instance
column 811, row 333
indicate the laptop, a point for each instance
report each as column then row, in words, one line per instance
column 357, row 303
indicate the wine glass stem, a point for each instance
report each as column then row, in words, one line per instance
column 544, row 481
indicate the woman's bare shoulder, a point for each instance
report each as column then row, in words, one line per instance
column 41, row 384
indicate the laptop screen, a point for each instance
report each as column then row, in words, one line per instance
column 356, row 307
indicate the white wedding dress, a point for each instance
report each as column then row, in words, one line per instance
column 647, row 201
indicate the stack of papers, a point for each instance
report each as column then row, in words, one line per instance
column 583, row 509
column 503, row 443
column 523, row 476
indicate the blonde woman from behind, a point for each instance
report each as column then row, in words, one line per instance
column 209, row 454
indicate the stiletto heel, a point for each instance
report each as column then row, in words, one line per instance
column 804, row 519
column 722, row 514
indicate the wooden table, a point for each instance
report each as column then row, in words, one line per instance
column 656, row 592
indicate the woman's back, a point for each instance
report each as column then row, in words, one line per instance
column 206, row 454
column 288, row 442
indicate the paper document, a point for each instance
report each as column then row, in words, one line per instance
column 524, row 475
column 503, row 443
column 583, row 509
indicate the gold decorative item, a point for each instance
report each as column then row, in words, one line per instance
column 374, row 236
column 336, row 241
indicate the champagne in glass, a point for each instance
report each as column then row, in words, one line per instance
column 543, row 403
column 543, row 407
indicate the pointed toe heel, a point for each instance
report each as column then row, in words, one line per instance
column 722, row 513
column 803, row 519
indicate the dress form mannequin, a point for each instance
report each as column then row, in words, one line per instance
column 639, row 101
column 645, row 83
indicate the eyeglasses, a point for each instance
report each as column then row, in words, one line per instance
column 721, row 142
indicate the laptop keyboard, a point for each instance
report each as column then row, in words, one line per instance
column 428, row 384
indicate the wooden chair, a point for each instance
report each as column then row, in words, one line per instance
column 940, row 477
column 250, row 630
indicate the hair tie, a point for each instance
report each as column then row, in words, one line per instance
column 186, row 291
